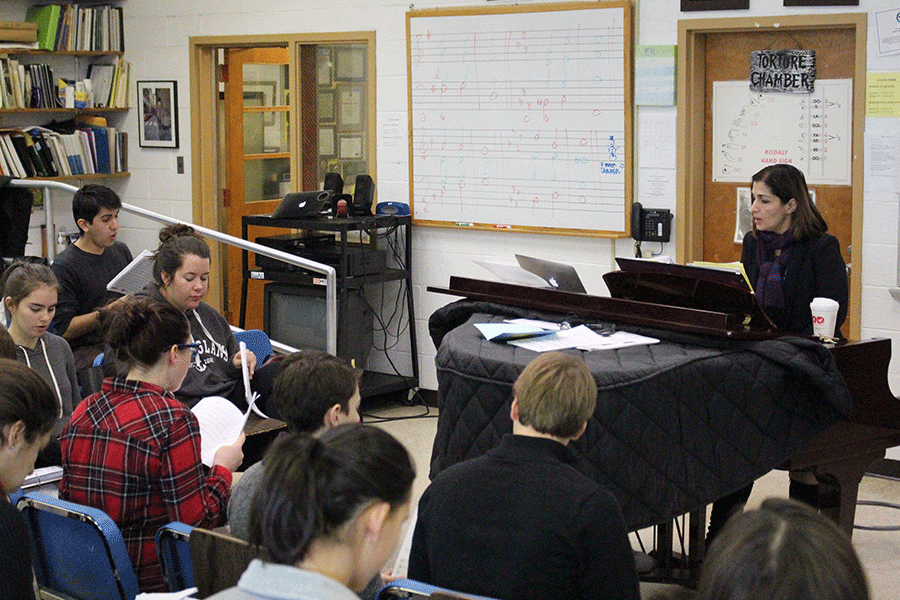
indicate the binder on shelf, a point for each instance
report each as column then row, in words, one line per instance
column 41, row 146
column 47, row 20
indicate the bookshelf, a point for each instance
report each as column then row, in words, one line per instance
column 67, row 93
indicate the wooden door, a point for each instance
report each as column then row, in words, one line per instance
column 257, row 158
column 712, row 50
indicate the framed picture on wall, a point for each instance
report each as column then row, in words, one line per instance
column 325, row 100
column 821, row 2
column 159, row 114
column 351, row 146
column 326, row 141
column 692, row 5
column 350, row 63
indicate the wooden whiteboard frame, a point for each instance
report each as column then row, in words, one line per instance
column 628, row 109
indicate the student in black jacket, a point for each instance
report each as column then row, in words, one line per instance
column 521, row 523
column 790, row 259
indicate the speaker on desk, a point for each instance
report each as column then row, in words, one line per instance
column 363, row 195
column 335, row 183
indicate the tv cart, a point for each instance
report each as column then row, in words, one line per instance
column 385, row 226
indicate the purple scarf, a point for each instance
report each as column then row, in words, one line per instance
column 769, row 285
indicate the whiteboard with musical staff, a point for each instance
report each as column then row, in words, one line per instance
column 520, row 117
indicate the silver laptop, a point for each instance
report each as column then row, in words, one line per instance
column 559, row 276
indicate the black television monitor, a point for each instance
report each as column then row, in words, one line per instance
column 295, row 315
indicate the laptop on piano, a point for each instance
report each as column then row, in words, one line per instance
column 558, row 276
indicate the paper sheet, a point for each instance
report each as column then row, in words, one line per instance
column 583, row 338
column 221, row 423
column 135, row 276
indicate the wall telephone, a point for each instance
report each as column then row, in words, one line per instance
column 651, row 224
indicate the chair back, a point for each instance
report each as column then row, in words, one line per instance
column 78, row 551
column 257, row 342
column 418, row 590
column 219, row 560
column 174, row 549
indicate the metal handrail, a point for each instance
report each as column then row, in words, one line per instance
column 328, row 271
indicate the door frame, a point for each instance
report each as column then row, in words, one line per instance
column 205, row 176
column 691, row 149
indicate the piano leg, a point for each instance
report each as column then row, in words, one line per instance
column 841, row 478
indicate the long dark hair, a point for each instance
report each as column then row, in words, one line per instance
column 174, row 242
column 786, row 182
column 140, row 331
column 312, row 486
column 26, row 397
column 782, row 551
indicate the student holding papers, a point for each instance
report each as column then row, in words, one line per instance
column 181, row 278
column 85, row 267
column 133, row 450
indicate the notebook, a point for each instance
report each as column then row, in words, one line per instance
column 302, row 205
column 559, row 276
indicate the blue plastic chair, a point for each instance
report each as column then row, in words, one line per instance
column 79, row 551
column 257, row 342
column 173, row 545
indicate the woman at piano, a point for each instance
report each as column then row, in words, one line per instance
column 791, row 259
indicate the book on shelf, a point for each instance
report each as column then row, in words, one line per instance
column 47, row 20
column 18, row 31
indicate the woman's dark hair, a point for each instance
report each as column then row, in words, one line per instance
column 312, row 486
column 174, row 242
column 22, row 277
column 7, row 344
column 140, row 331
column 786, row 182
column 782, row 551
column 26, row 397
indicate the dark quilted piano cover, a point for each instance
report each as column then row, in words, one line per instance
column 678, row 424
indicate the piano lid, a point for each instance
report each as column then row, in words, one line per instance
column 731, row 322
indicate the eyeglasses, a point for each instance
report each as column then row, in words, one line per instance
column 194, row 346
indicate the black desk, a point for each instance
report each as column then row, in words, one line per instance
column 372, row 383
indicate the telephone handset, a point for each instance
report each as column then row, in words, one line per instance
column 650, row 225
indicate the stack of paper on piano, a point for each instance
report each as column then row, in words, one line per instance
column 583, row 338
column 501, row 332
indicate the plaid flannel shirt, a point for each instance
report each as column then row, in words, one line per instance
column 133, row 451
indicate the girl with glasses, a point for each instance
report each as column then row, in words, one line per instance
column 133, row 450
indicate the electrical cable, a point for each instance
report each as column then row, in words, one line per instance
column 878, row 527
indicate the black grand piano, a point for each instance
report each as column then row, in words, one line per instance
column 721, row 400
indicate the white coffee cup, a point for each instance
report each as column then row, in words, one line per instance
column 824, row 316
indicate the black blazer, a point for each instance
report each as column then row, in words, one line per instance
column 816, row 270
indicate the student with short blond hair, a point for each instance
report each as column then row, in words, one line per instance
column 521, row 523
column 548, row 378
